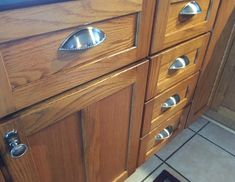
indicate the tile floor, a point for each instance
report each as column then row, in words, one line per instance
column 204, row 152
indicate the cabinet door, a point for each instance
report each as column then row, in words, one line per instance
column 213, row 60
column 90, row 133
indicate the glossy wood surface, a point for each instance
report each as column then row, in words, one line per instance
column 169, row 30
column 149, row 146
column 74, row 136
column 27, row 22
column 34, row 66
column 161, row 78
column 154, row 114
column 212, row 61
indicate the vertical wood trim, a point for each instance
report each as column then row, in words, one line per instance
column 6, row 99
column 211, row 61
column 136, row 115
column 160, row 24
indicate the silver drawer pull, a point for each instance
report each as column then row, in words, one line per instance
column 179, row 63
column 192, row 8
column 164, row 134
column 83, row 39
column 12, row 140
column 171, row 102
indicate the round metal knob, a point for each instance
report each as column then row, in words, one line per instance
column 15, row 147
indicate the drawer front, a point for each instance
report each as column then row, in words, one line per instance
column 176, row 64
column 153, row 142
column 21, row 23
column 36, row 67
column 168, row 103
column 173, row 24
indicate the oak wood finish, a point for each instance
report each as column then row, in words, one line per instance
column 154, row 114
column 75, row 136
column 149, row 146
column 35, row 67
column 168, row 30
column 32, row 21
column 2, row 179
column 212, row 61
column 160, row 78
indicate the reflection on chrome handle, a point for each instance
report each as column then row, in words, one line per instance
column 179, row 63
column 171, row 102
column 83, row 39
column 164, row 134
column 191, row 8
column 12, row 140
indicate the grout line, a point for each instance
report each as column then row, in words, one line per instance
column 177, row 171
column 152, row 172
column 218, row 124
column 216, row 144
column 164, row 161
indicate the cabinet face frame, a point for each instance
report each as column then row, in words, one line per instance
column 49, row 113
column 14, row 99
column 162, row 39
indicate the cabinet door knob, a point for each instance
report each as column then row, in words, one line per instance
column 179, row 63
column 164, row 134
column 83, row 39
column 192, row 8
column 171, row 102
column 15, row 147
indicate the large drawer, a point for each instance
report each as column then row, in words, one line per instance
column 151, row 143
column 35, row 68
column 177, row 21
column 168, row 103
column 175, row 64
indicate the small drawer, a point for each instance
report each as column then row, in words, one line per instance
column 168, row 103
column 38, row 67
column 160, row 136
column 175, row 64
column 180, row 20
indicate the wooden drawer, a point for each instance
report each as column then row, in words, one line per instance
column 34, row 69
column 169, row 28
column 162, row 77
column 149, row 145
column 154, row 113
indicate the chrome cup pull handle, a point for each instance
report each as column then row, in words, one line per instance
column 14, row 145
column 164, row 134
column 180, row 63
column 171, row 102
column 191, row 8
column 83, row 39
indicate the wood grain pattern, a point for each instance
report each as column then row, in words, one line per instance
column 6, row 98
column 76, row 134
column 212, row 61
column 169, row 30
column 154, row 115
column 2, row 179
column 159, row 76
column 20, row 169
column 149, row 146
column 47, row 18
column 38, row 70
column 107, row 131
column 37, row 58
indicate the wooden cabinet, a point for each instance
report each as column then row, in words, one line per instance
column 171, row 26
column 88, row 133
column 213, row 60
column 165, row 69
column 32, row 62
